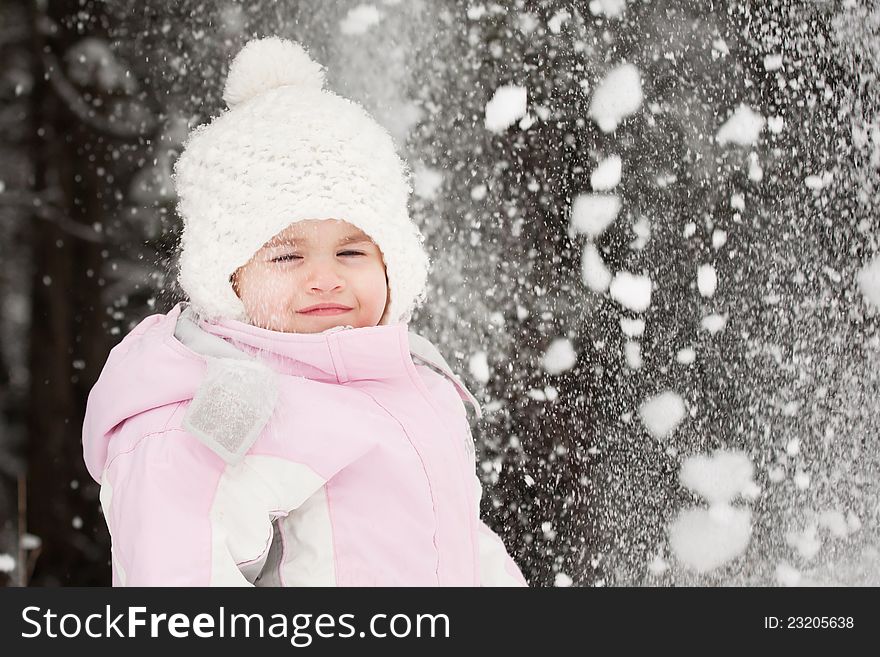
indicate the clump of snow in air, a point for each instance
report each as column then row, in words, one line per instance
column 743, row 128
column 719, row 478
column 591, row 214
column 642, row 229
column 853, row 522
column 476, row 12
column 714, row 323
column 479, row 366
column 838, row 524
column 819, row 181
column 359, row 20
column 527, row 23
column 607, row 173
column 7, row 563
column 562, row 580
column 549, row 393
column 704, row 539
column 776, row 474
column 508, row 105
column 787, row 575
column 632, row 351
column 558, row 20
column 618, row 96
column 835, row 522
column 719, row 238
column 610, row 8
column 632, row 291
column 790, row 408
column 632, row 328
column 30, row 541
column 772, row 62
column 427, row 182
column 806, row 542
column 756, row 171
column 869, row 282
column 658, row 565
column 662, row 413
column 686, row 355
column 720, row 46
column 707, row 280
column 559, row 357
column 595, row 274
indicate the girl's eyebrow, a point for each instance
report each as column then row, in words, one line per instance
column 348, row 239
column 354, row 239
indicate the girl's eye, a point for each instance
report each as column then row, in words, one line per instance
column 287, row 257
column 292, row 256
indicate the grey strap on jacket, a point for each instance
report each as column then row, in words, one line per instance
column 236, row 398
column 423, row 350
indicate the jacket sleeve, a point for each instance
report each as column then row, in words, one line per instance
column 497, row 568
column 157, row 498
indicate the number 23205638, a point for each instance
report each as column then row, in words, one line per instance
column 808, row 622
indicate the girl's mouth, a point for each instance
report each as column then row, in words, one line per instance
column 326, row 311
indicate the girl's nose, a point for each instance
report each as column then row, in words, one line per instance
column 324, row 276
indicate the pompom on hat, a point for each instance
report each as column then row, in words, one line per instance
column 287, row 150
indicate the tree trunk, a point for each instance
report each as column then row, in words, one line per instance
column 65, row 320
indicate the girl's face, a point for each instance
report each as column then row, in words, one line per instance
column 317, row 262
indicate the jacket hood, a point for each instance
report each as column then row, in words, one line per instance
column 135, row 379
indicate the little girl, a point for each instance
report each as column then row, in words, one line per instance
column 284, row 427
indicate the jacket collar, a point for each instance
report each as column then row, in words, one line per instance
column 340, row 354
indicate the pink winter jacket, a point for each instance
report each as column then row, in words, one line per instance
column 342, row 458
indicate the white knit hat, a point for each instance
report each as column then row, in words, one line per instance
column 285, row 151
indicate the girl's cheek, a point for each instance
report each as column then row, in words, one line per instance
column 272, row 283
